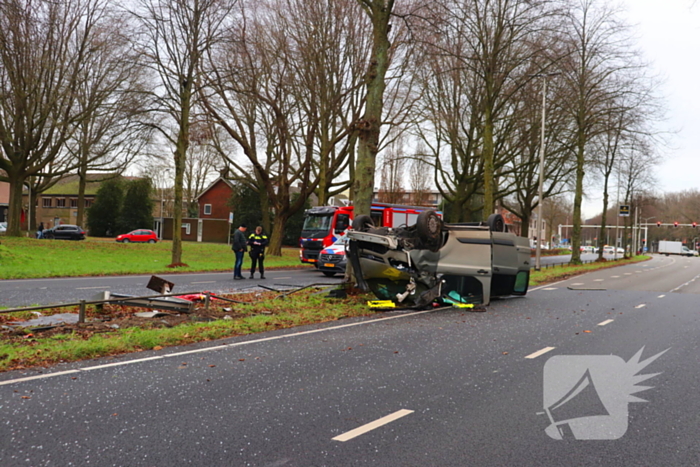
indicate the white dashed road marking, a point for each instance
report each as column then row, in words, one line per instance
column 86, row 288
column 661, row 296
column 607, row 321
column 642, row 305
column 206, row 282
column 614, row 277
column 598, row 280
column 540, row 352
column 550, row 288
column 373, row 425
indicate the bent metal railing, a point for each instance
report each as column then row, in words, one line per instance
column 159, row 300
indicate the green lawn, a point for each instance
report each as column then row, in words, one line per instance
column 22, row 258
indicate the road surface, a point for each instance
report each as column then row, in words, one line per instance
column 436, row 388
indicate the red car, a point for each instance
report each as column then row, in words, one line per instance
column 142, row 235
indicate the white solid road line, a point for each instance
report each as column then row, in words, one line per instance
column 373, row 425
column 607, row 321
column 540, row 352
column 215, row 348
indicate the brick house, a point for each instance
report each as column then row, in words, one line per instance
column 59, row 204
column 212, row 224
column 213, row 201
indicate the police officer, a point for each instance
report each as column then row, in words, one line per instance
column 257, row 241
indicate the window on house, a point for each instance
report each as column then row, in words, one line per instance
column 207, row 209
column 60, row 202
column 88, row 203
column 46, row 202
column 73, row 202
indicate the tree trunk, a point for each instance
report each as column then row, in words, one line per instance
column 275, row 246
column 82, row 182
column 604, row 217
column 578, row 198
column 525, row 225
column 370, row 125
column 182, row 144
column 14, row 227
column 487, row 155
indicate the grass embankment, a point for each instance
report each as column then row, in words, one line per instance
column 24, row 258
column 29, row 350
column 557, row 273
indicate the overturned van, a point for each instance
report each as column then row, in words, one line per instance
column 451, row 263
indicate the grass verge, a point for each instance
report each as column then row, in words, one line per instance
column 30, row 350
column 558, row 273
column 25, row 258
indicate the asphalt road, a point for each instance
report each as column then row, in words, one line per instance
column 461, row 389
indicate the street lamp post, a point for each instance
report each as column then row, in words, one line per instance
column 538, row 247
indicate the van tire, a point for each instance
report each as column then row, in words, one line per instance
column 428, row 226
column 362, row 223
column 496, row 223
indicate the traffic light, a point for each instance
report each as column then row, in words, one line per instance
column 675, row 224
column 658, row 223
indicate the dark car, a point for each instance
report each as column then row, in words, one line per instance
column 141, row 235
column 65, row 232
column 431, row 261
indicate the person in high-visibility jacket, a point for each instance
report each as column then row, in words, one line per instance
column 257, row 241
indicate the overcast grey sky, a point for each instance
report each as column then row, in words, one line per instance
column 668, row 33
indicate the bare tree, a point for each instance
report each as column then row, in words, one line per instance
column 177, row 34
column 290, row 115
column 113, row 131
column 599, row 49
column 43, row 49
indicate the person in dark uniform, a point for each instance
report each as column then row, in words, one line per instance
column 257, row 241
column 239, row 247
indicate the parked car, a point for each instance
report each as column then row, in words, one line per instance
column 332, row 260
column 141, row 236
column 450, row 263
column 65, row 232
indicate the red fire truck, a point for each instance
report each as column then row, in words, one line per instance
column 323, row 225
